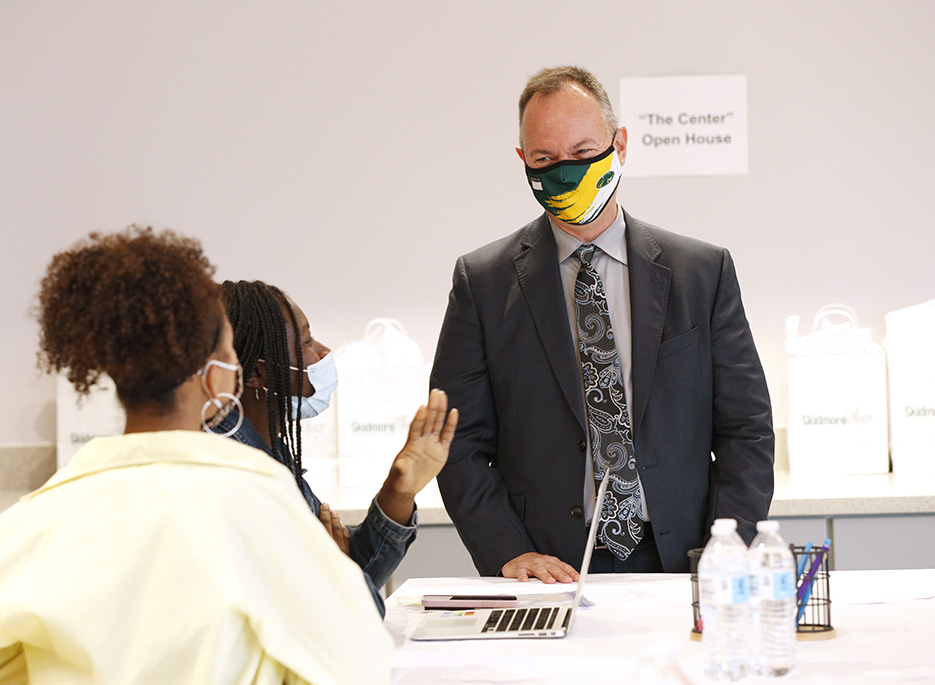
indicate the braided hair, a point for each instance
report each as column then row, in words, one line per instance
column 255, row 310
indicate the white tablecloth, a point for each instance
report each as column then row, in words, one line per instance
column 884, row 623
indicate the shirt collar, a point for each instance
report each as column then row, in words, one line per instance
column 612, row 241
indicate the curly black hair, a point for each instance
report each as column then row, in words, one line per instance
column 138, row 306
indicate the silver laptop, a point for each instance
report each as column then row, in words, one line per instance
column 525, row 622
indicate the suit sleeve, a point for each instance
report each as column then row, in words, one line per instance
column 471, row 486
column 743, row 441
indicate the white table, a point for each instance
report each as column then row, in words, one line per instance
column 884, row 623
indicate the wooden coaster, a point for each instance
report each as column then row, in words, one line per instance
column 810, row 633
column 801, row 635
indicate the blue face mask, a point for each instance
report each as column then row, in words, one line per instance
column 323, row 375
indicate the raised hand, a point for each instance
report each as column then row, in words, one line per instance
column 421, row 458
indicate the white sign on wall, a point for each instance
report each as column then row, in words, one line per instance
column 685, row 125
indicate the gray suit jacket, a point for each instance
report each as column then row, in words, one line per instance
column 514, row 481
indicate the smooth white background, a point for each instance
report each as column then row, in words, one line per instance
column 349, row 152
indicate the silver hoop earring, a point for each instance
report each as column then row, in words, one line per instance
column 223, row 411
column 256, row 393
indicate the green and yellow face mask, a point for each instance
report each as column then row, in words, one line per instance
column 576, row 191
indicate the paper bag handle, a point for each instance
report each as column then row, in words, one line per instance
column 377, row 326
column 830, row 310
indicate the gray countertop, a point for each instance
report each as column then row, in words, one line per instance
column 865, row 495
column 825, row 496
column 828, row 496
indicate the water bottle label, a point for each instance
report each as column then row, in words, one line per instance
column 783, row 585
column 770, row 585
column 725, row 589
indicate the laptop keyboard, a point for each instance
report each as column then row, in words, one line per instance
column 530, row 618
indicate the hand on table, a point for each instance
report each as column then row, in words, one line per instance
column 546, row 568
column 422, row 457
column 335, row 528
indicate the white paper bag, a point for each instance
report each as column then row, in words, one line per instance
column 910, row 354
column 837, row 397
column 383, row 380
column 80, row 418
column 320, row 449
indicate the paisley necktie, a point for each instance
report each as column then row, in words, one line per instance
column 609, row 432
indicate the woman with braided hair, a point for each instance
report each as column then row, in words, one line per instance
column 166, row 554
column 290, row 376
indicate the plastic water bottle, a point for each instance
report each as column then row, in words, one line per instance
column 772, row 600
column 724, row 593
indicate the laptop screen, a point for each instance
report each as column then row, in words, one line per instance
column 589, row 546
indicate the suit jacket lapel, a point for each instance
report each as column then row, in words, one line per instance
column 649, row 290
column 537, row 269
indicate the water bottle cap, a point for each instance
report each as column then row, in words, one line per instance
column 767, row 526
column 723, row 526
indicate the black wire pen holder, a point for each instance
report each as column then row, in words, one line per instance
column 813, row 612
column 813, row 622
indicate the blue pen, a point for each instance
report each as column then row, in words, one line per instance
column 803, row 559
column 809, row 578
column 805, row 591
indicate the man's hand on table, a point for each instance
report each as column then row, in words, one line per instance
column 546, row 568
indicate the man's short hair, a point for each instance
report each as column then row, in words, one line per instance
column 551, row 79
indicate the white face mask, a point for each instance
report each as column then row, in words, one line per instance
column 223, row 409
column 323, row 375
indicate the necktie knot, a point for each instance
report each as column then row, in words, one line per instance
column 585, row 253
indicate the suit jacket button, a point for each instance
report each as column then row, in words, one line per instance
column 582, row 445
column 576, row 512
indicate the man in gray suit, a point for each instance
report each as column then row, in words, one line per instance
column 675, row 405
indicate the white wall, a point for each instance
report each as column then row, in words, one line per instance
column 349, row 152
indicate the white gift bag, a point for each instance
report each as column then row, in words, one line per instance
column 80, row 418
column 910, row 354
column 320, row 449
column 837, row 397
column 383, row 380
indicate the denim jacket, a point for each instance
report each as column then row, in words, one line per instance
column 377, row 545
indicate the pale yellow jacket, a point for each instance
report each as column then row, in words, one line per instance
column 179, row 557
